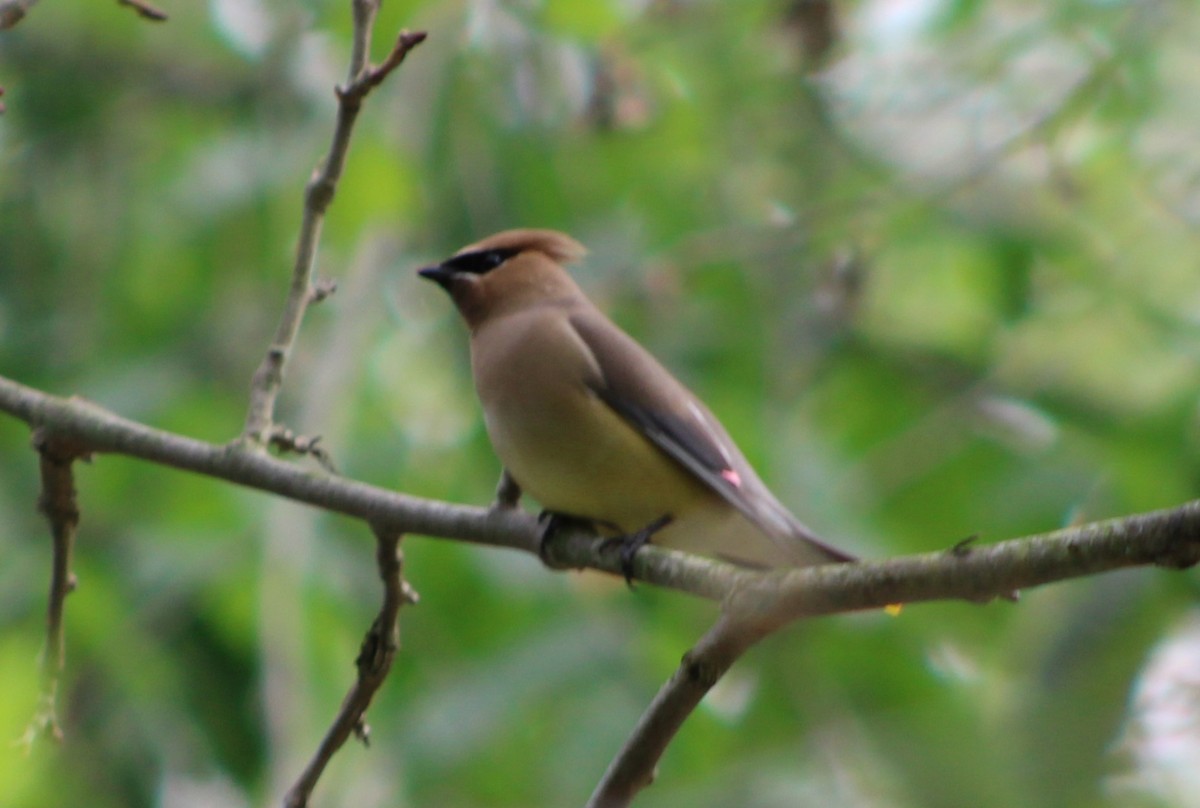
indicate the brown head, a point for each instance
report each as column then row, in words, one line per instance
column 508, row 271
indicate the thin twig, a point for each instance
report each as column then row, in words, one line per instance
column 145, row 10
column 374, row 662
column 1044, row 123
column 58, row 502
column 405, row 42
column 318, row 194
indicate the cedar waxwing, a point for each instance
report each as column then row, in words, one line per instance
column 588, row 423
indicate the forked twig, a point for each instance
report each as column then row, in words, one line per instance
column 318, row 194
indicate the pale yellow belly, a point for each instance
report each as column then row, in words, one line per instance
column 566, row 447
column 605, row 471
column 579, row 457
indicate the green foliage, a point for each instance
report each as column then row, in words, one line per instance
column 942, row 286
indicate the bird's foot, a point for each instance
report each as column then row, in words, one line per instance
column 630, row 543
column 508, row 492
column 552, row 524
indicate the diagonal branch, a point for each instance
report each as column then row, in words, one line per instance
column 633, row 767
column 374, row 662
column 145, row 10
column 762, row 604
column 318, row 195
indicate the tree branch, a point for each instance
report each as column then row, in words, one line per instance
column 754, row 603
column 58, row 502
column 1169, row 538
column 761, row 604
column 318, row 194
column 634, row 766
column 145, row 10
column 100, row 430
column 13, row 11
column 374, row 662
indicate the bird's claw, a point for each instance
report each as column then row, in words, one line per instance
column 552, row 524
column 630, row 543
column 508, row 492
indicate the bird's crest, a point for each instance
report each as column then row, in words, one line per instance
column 555, row 245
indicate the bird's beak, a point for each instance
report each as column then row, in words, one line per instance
column 438, row 274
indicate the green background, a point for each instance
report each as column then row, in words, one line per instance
column 938, row 281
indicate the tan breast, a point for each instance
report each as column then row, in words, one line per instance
column 565, row 447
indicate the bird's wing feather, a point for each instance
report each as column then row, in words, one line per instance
column 646, row 395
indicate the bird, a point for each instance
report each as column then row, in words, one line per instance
column 590, row 425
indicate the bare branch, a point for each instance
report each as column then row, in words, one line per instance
column 59, row 503
column 374, row 662
column 318, row 194
column 145, row 10
column 759, row 605
column 1168, row 538
column 372, row 78
column 634, row 766
column 106, row 432
column 754, row 603
column 13, row 11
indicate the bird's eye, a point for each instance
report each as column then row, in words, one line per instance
column 480, row 262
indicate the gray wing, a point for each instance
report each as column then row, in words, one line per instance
column 644, row 393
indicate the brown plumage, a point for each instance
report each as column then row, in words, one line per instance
column 590, row 425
